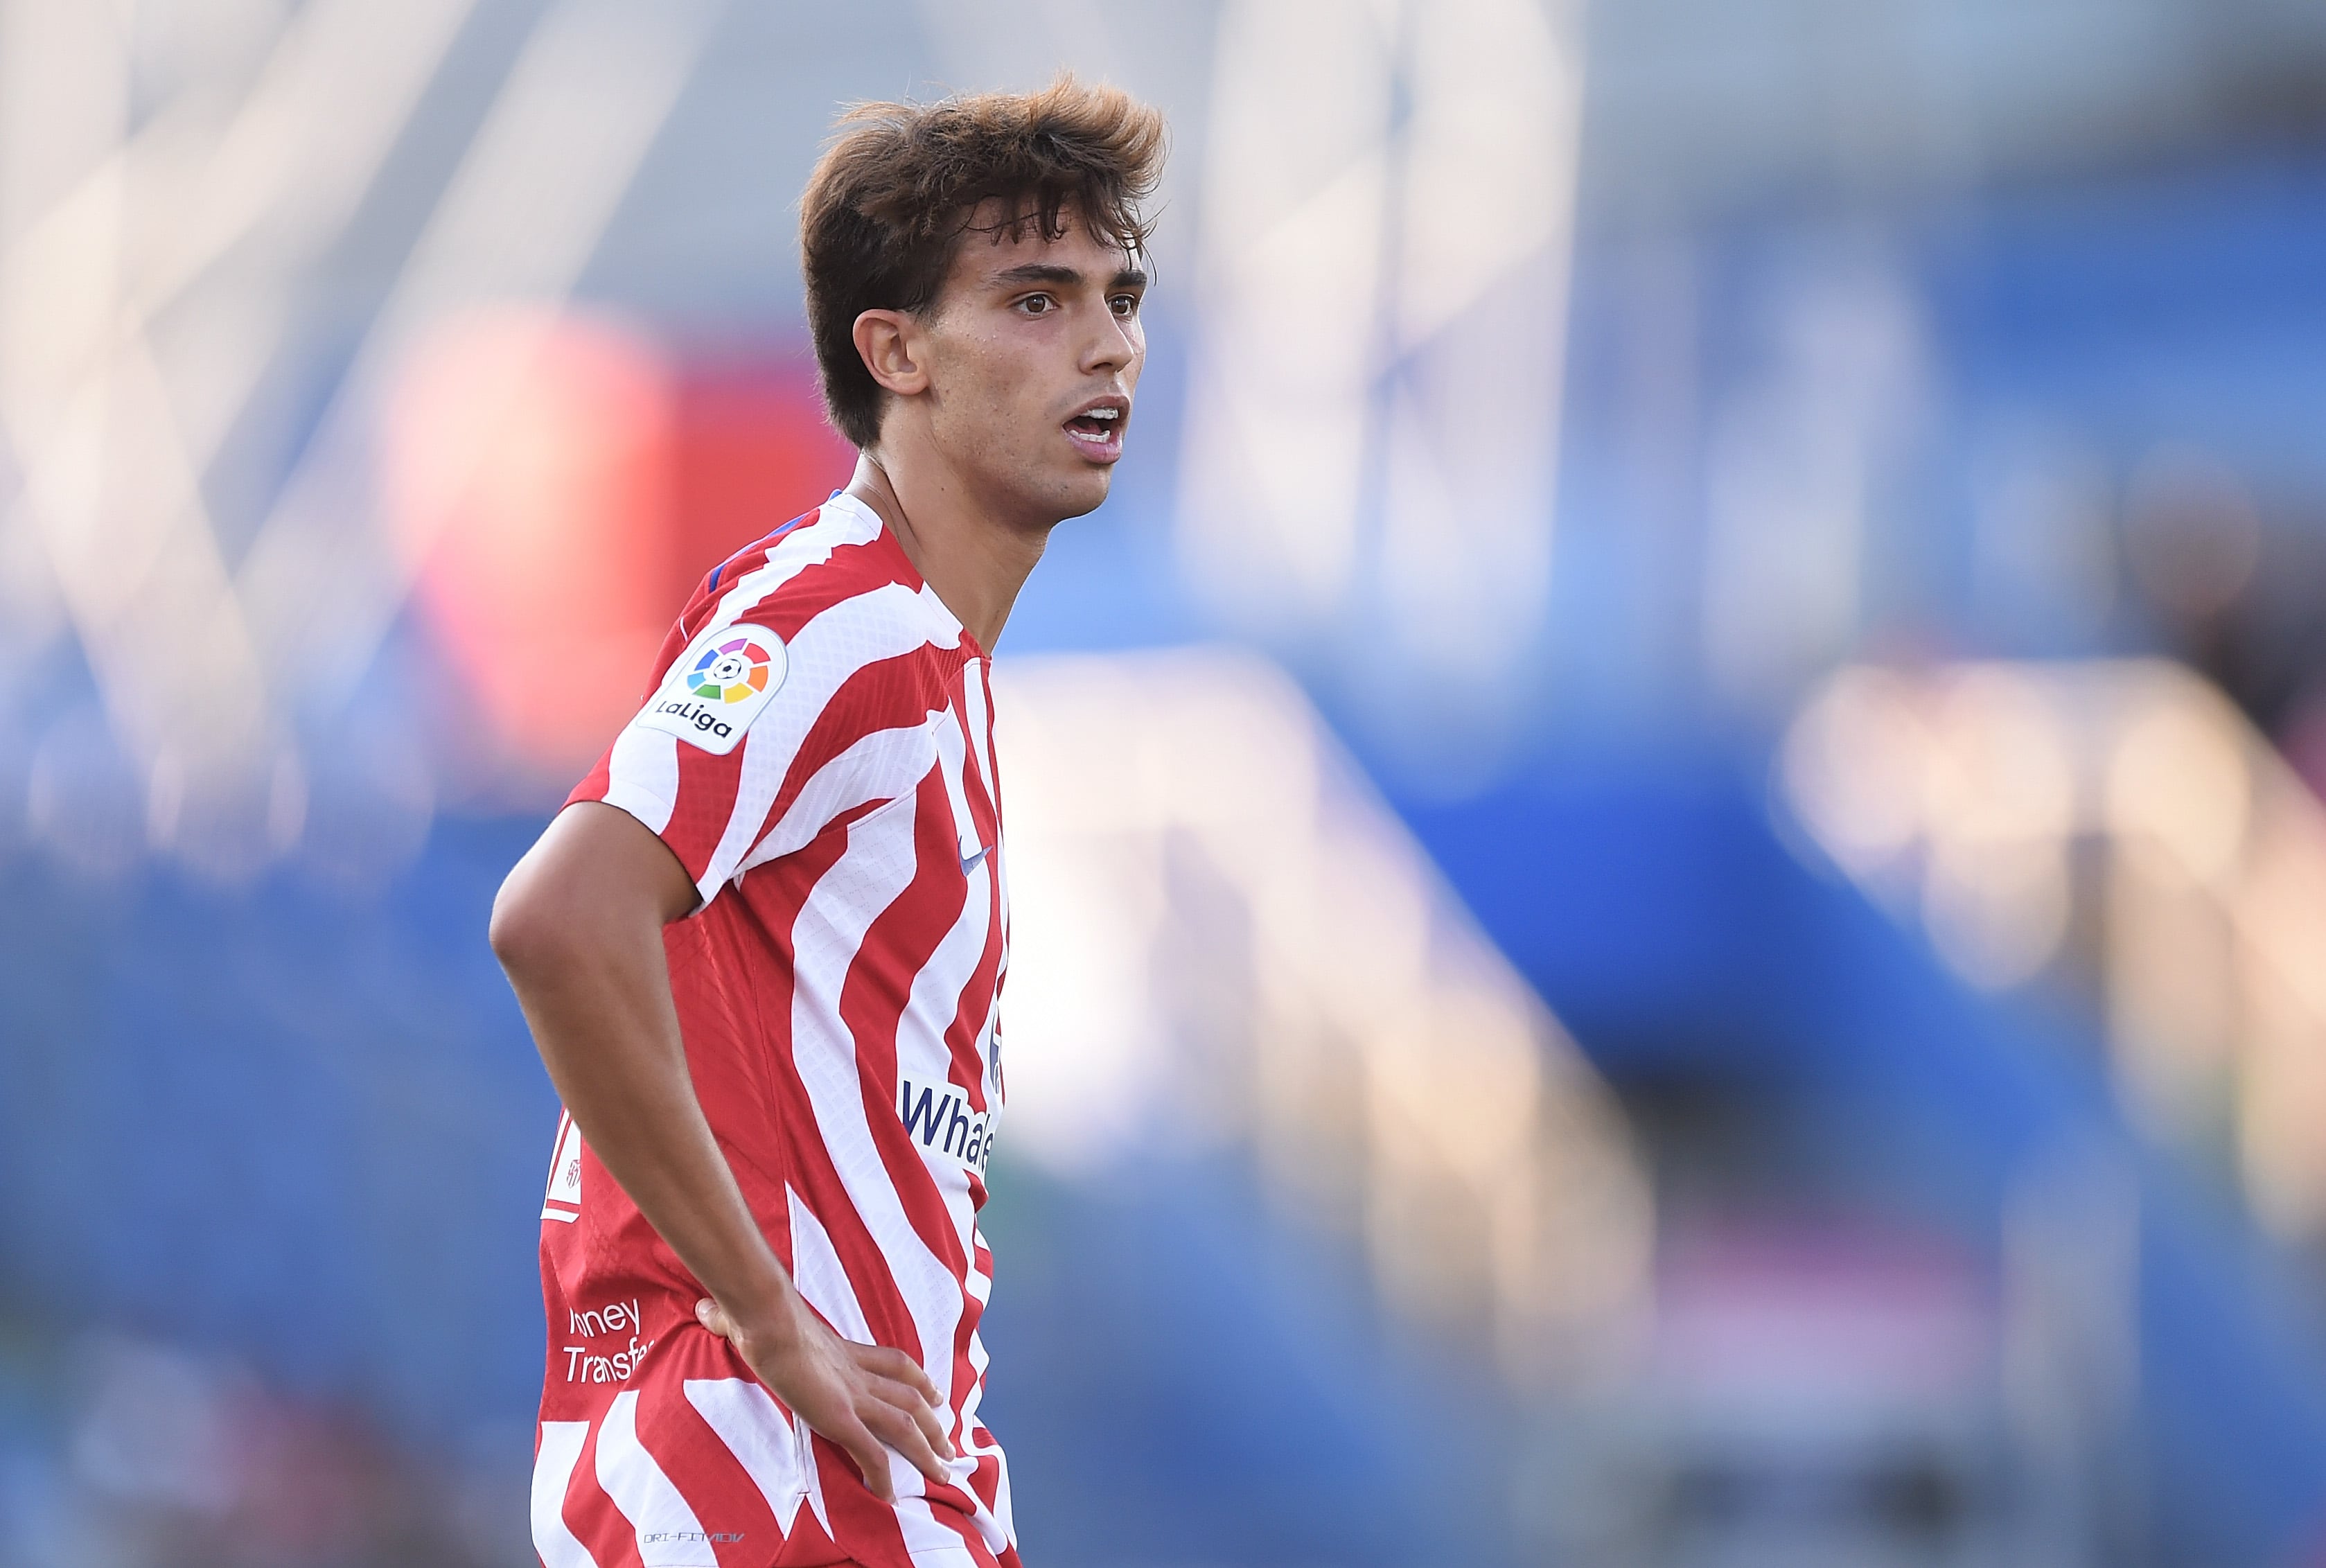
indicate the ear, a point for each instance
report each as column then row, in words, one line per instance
column 888, row 342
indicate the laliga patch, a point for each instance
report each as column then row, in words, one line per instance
column 717, row 688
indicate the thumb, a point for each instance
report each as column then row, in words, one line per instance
column 712, row 1316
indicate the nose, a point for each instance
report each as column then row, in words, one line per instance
column 1113, row 346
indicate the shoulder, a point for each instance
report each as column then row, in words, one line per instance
column 819, row 561
column 824, row 612
column 835, row 584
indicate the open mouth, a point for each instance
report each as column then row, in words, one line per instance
column 1098, row 431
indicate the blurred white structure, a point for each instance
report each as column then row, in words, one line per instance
column 2123, row 808
column 1372, row 417
column 168, row 182
column 1221, row 936
column 223, row 223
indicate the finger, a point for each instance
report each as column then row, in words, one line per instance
column 930, row 1418
column 900, row 1432
column 712, row 1316
column 871, row 1458
column 903, row 1434
column 890, row 1362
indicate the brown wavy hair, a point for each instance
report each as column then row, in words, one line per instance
column 899, row 183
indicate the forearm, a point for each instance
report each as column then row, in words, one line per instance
column 578, row 926
column 591, row 975
column 609, row 1035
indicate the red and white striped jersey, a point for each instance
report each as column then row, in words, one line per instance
column 817, row 749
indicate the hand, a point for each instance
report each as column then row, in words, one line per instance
column 860, row 1396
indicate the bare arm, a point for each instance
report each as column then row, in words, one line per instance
column 578, row 926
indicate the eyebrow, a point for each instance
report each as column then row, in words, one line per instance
column 1064, row 277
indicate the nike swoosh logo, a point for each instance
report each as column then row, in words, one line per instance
column 969, row 862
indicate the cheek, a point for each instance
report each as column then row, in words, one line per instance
column 974, row 391
column 992, row 376
column 1011, row 397
column 987, row 420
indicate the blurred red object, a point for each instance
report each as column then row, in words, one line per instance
column 562, row 483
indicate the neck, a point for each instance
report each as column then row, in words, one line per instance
column 973, row 559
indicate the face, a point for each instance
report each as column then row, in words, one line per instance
column 1032, row 354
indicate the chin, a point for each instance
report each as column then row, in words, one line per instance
column 1080, row 493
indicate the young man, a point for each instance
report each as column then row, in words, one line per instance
column 762, row 947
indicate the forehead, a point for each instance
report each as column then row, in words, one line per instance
column 989, row 247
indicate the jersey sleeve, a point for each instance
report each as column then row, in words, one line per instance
column 774, row 719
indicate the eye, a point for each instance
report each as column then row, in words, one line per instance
column 1124, row 306
column 1037, row 304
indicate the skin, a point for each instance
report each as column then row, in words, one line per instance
column 973, row 466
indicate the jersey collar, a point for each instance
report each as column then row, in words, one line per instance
column 951, row 628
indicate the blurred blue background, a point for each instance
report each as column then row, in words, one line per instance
column 1672, row 881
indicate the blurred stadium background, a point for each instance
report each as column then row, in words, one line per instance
column 1672, row 885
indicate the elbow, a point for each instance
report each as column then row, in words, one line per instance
column 591, row 893
column 524, row 931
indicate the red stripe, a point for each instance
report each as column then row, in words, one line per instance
column 875, row 1537
column 817, row 1181
column 596, row 783
column 898, row 945
column 674, row 642
column 969, row 1020
column 733, row 976
column 718, row 1492
column 986, row 1480
column 964, row 1525
column 874, row 992
column 851, row 569
column 881, row 695
column 896, row 949
column 592, row 1516
column 885, row 694
column 707, row 787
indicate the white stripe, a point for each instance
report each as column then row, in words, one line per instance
column 922, row 1052
column 831, row 1077
column 642, row 774
column 567, row 1215
column 1001, row 857
column 763, row 1441
column 877, row 625
column 944, row 630
column 552, row 1472
column 1002, row 1515
column 642, row 770
column 876, row 865
column 821, row 1281
column 884, row 764
column 952, row 761
column 976, row 713
column 996, row 1523
column 998, row 1519
column 923, row 1056
column 669, row 1535
column 945, row 627
column 805, row 546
